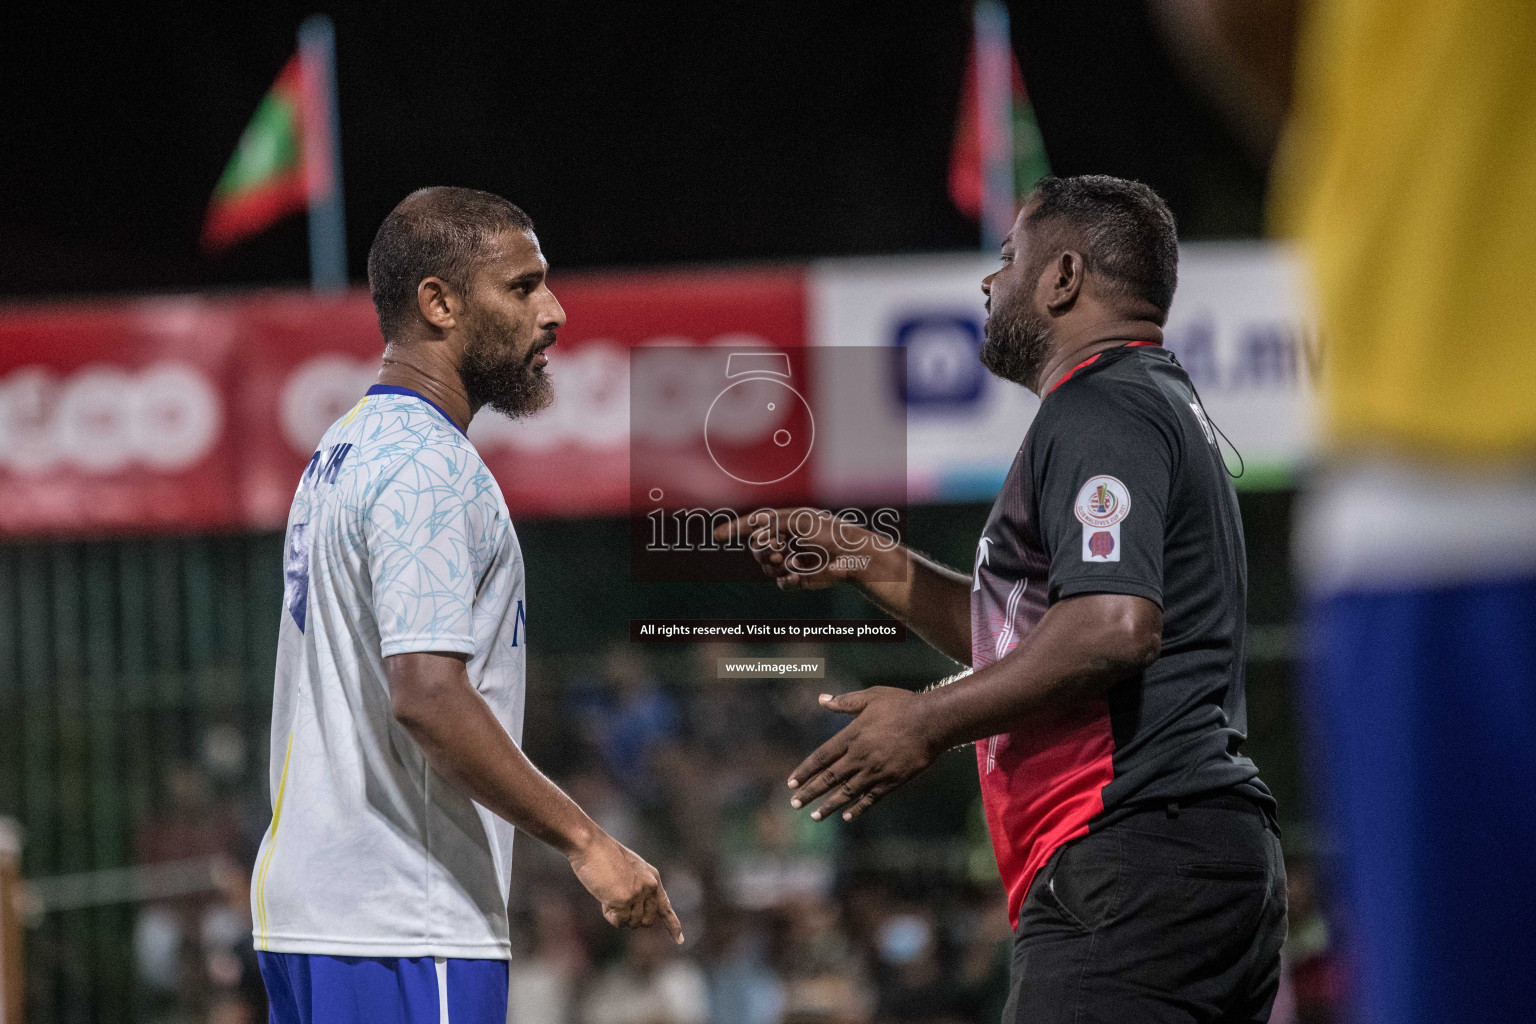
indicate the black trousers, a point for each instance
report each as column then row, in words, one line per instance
column 1173, row 914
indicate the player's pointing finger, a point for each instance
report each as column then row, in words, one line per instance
column 668, row 916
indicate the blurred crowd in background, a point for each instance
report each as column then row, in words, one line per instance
column 137, row 738
column 789, row 921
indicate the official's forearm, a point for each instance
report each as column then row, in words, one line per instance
column 464, row 743
column 1067, row 660
column 934, row 601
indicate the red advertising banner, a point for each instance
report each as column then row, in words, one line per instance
column 199, row 413
column 303, row 360
column 117, row 417
column 574, row 457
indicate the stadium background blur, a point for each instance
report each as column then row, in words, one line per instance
column 135, row 668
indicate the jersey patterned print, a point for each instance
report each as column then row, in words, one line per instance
column 398, row 541
column 1118, row 488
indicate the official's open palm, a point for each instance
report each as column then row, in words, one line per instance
column 885, row 745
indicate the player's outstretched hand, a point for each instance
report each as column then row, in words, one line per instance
column 628, row 888
column 800, row 547
column 884, row 746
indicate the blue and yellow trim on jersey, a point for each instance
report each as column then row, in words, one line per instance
column 266, row 860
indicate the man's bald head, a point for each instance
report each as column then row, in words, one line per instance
column 440, row 232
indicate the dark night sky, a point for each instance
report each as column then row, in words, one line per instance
column 633, row 133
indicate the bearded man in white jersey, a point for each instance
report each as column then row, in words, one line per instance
column 380, row 889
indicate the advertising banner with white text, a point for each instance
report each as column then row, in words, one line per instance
column 1237, row 325
column 196, row 413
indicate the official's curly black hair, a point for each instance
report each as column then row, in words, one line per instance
column 1123, row 229
column 441, row 232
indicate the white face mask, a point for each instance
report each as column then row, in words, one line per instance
column 904, row 938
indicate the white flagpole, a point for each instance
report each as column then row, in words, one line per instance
column 994, row 91
column 322, row 156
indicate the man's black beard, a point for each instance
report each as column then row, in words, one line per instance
column 494, row 376
column 1016, row 346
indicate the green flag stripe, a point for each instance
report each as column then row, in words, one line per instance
column 1029, row 161
column 268, row 147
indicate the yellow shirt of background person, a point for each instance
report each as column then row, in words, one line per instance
column 1409, row 173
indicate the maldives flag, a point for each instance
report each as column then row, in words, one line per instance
column 282, row 162
column 976, row 134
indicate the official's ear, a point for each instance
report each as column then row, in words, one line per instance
column 437, row 303
column 1063, row 280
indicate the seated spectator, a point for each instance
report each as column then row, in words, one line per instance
column 652, row 984
column 543, row 980
column 825, row 981
column 982, row 940
column 626, row 714
column 771, row 852
column 910, row 978
column 743, row 986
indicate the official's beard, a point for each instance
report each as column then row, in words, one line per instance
column 1016, row 345
column 494, row 375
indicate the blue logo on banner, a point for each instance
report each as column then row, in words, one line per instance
column 936, row 359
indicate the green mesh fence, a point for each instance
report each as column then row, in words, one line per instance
column 115, row 660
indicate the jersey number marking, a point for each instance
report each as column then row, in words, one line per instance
column 296, row 574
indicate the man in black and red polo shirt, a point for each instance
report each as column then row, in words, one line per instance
column 1103, row 626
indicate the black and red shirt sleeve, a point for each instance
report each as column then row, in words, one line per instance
column 1104, row 458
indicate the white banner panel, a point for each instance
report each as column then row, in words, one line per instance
column 1237, row 325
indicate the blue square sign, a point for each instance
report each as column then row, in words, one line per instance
column 938, row 352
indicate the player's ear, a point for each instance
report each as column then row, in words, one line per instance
column 1064, row 280
column 437, row 303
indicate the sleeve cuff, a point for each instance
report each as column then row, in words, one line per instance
column 1110, row 585
column 451, row 643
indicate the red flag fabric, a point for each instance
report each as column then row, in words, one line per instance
column 268, row 177
column 966, row 185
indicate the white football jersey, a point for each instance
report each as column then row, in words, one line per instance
column 398, row 540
